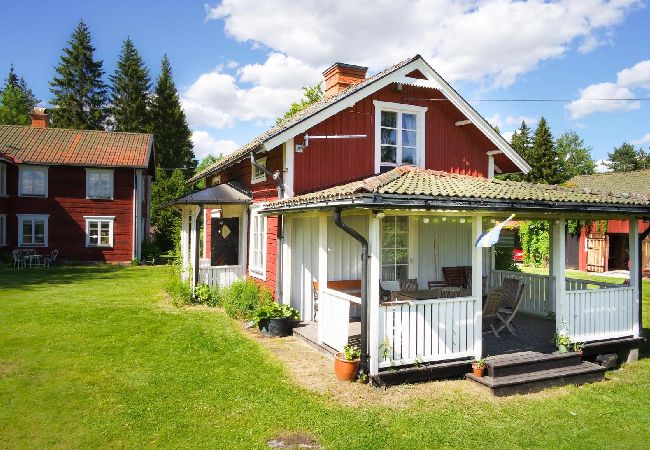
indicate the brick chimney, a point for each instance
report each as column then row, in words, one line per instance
column 340, row 76
column 40, row 119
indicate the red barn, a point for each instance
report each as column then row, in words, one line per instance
column 84, row 193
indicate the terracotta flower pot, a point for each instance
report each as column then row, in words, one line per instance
column 478, row 371
column 345, row 370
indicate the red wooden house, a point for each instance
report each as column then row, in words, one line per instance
column 83, row 193
column 386, row 185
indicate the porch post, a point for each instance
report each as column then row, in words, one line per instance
column 194, row 244
column 286, row 261
column 558, row 250
column 634, row 272
column 373, row 293
column 322, row 265
column 185, row 239
column 477, row 285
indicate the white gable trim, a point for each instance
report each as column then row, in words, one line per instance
column 434, row 80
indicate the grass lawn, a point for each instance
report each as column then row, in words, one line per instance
column 95, row 357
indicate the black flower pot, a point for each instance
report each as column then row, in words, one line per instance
column 263, row 325
column 279, row 327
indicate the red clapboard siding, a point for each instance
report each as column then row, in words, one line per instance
column 451, row 148
column 262, row 192
column 67, row 205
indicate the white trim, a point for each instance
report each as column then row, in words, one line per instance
column 490, row 170
column 374, row 276
column 3, row 230
column 420, row 112
column 395, row 77
column 33, row 217
column 289, row 164
column 23, row 168
column 635, row 261
column 258, row 178
column 100, row 219
column 110, row 172
column 257, row 271
column 3, row 179
column 418, row 82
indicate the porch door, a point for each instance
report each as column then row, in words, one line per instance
column 225, row 242
column 597, row 253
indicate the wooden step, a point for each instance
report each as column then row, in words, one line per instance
column 525, row 362
column 525, row 383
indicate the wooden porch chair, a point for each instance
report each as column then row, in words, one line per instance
column 513, row 292
column 410, row 284
column 492, row 304
column 454, row 276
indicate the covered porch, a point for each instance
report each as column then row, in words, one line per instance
column 411, row 238
column 214, row 223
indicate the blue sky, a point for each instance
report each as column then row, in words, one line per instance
column 239, row 63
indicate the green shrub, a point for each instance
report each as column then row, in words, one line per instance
column 535, row 242
column 268, row 309
column 150, row 251
column 243, row 298
column 179, row 291
column 205, row 295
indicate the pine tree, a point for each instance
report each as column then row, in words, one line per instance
column 79, row 92
column 169, row 186
column 16, row 100
column 169, row 125
column 130, row 86
column 545, row 162
column 624, row 159
column 575, row 154
column 521, row 141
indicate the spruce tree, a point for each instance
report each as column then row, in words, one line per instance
column 169, row 125
column 79, row 91
column 521, row 141
column 546, row 164
column 130, row 86
column 16, row 100
column 624, row 159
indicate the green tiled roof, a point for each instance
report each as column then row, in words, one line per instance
column 410, row 182
column 635, row 183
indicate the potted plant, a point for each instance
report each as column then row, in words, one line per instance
column 563, row 342
column 274, row 319
column 478, row 367
column 577, row 347
column 346, row 363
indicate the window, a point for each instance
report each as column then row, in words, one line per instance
column 99, row 183
column 258, row 245
column 394, row 248
column 3, row 179
column 99, row 231
column 32, row 230
column 258, row 174
column 32, row 181
column 3, row 230
column 399, row 135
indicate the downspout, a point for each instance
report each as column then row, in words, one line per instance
column 277, row 177
column 640, row 277
column 364, row 286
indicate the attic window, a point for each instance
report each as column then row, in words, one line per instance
column 399, row 135
column 258, row 175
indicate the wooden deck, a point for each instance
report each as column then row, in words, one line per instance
column 308, row 331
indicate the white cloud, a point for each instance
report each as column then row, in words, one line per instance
column 636, row 76
column 516, row 120
column 205, row 144
column 280, row 71
column 602, row 166
column 586, row 104
column 491, row 41
column 507, row 135
column 643, row 140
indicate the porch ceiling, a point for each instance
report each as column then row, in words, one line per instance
column 222, row 194
column 413, row 188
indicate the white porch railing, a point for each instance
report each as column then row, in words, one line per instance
column 597, row 314
column 220, row 276
column 536, row 288
column 426, row 330
column 334, row 317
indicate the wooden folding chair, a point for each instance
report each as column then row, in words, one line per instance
column 492, row 304
column 513, row 292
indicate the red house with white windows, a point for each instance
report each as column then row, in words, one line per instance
column 356, row 210
column 84, row 193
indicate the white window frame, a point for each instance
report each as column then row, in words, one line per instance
column 33, row 217
column 110, row 172
column 3, row 230
column 257, row 237
column 399, row 108
column 3, row 180
column 21, row 174
column 392, row 246
column 99, row 219
column 261, row 175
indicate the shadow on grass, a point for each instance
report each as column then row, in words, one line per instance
column 31, row 279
